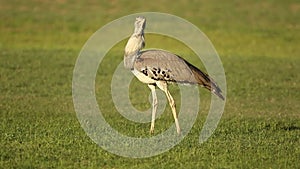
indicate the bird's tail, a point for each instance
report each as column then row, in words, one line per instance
column 216, row 90
column 204, row 80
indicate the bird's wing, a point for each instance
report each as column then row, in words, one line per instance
column 163, row 65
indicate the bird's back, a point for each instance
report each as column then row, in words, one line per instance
column 166, row 66
column 163, row 65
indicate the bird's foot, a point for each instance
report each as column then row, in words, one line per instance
column 178, row 131
column 151, row 130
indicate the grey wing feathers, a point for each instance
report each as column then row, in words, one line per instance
column 206, row 81
column 163, row 65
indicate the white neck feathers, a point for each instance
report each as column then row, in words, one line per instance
column 134, row 44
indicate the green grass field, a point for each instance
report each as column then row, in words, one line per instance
column 258, row 43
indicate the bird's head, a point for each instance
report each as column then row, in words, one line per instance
column 139, row 25
column 135, row 43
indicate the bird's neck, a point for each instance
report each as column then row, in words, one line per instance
column 135, row 43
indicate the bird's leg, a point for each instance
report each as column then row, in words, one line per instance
column 163, row 86
column 154, row 106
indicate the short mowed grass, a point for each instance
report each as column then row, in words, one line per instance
column 258, row 43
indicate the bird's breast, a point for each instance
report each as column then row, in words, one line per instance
column 143, row 77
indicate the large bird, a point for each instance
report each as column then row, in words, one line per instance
column 158, row 67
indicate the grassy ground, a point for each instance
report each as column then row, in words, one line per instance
column 258, row 43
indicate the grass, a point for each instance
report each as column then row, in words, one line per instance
column 258, row 43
